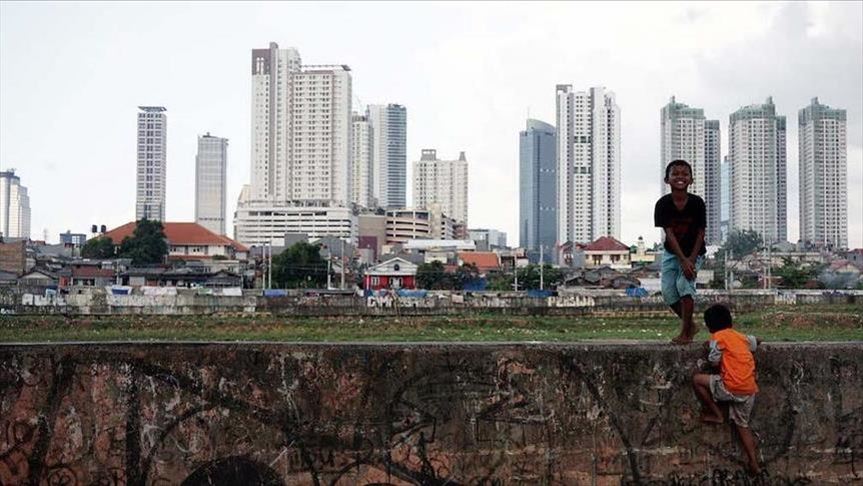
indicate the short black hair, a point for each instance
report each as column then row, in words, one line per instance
column 675, row 163
column 717, row 317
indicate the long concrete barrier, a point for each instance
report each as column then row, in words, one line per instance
column 408, row 414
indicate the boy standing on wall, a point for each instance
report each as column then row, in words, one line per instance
column 735, row 384
column 683, row 217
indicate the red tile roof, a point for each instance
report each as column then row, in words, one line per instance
column 606, row 243
column 484, row 260
column 180, row 234
column 91, row 272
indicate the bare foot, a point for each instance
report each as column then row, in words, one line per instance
column 709, row 418
column 753, row 469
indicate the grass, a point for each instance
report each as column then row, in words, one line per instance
column 797, row 323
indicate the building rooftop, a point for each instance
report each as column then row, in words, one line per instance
column 180, row 234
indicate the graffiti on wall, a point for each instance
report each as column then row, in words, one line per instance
column 220, row 414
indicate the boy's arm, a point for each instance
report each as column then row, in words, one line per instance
column 753, row 342
column 699, row 240
column 714, row 353
column 686, row 264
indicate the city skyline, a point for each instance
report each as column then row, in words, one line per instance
column 447, row 112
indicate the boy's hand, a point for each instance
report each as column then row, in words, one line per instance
column 688, row 269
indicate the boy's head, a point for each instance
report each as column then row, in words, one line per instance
column 678, row 174
column 717, row 317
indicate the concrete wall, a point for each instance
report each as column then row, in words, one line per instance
column 414, row 414
column 190, row 301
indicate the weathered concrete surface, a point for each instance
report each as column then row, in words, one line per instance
column 414, row 414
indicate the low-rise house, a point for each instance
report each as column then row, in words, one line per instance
column 88, row 276
column 180, row 277
column 484, row 261
column 189, row 241
column 395, row 273
column 38, row 278
column 607, row 251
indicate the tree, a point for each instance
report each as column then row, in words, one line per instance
column 99, row 247
column 464, row 275
column 794, row 275
column 432, row 276
column 743, row 242
column 300, row 266
column 147, row 245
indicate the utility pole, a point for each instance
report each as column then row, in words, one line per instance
column 541, row 265
column 769, row 266
column 515, row 270
column 269, row 248
column 329, row 267
column 342, row 286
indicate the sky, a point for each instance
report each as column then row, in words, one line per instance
column 73, row 74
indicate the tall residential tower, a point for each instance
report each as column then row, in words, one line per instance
column 757, row 158
column 537, row 187
column 152, row 157
column 442, row 182
column 687, row 135
column 823, row 153
column 588, row 164
column 300, row 153
column 211, row 166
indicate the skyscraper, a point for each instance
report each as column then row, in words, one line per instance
column 361, row 160
column 687, row 135
column 14, row 206
column 301, row 126
column 756, row 153
column 442, row 182
column 152, row 157
column 211, row 165
column 389, row 156
column 823, row 153
column 588, row 164
column 713, row 181
column 725, row 198
column 537, row 186
column 301, row 140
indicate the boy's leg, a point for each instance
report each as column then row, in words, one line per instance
column 670, row 274
column 687, row 307
column 701, row 385
column 748, row 442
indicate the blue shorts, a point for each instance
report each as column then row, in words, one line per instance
column 674, row 284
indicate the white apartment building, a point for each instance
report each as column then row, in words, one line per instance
column 211, row 165
column 152, row 156
column 713, row 181
column 301, row 142
column 361, row 161
column 417, row 224
column 442, row 182
column 389, row 159
column 686, row 134
column 588, row 164
column 823, row 153
column 757, row 158
column 260, row 224
column 14, row 206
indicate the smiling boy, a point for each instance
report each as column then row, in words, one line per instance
column 683, row 218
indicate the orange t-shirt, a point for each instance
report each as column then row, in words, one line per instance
column 736, row 363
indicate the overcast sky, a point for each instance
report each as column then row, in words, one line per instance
column 73, row 74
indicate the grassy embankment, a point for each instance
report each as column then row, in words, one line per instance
column 798, row 323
